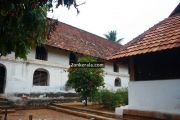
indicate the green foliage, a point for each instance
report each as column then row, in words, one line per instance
column 23, row 24
column 85, row 81
column 110, row 99
column 123, row 92
column 112, row 35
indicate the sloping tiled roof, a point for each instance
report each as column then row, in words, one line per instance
column 73, row 39
column 162, row 36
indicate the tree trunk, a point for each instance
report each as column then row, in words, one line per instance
column 85, row 100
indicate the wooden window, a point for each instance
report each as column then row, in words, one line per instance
column 72, row 58
column 41, row 53
column 115, row 67
column 117, row 82
column 40, row 78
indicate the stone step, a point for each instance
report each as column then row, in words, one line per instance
column 6, row 106
column 67, row 99
column 46, row 101
column 4, row 103
column 102, row 113
column 7, row 110
column 2, row 98
column 87, row 115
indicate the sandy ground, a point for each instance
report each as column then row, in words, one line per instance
column 42, row 114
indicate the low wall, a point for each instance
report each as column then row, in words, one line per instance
column 158, row 95
column 129, row 114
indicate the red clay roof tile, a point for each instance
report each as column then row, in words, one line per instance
column 73, row 39
column 162, row 36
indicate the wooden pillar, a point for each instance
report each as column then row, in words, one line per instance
column 30, row 117
column 5, row 116
column 131, row 69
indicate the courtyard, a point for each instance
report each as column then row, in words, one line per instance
column 41, row 114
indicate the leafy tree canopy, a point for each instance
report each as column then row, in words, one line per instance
column 112, row 35
column 23, row 24
column 85, row 81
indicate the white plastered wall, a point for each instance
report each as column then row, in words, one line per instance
column 19, row 77
column 156, row 95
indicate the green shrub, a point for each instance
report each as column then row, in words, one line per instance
column 111, row 99
column 96, row 97
column 123, row 92
column 107, row 98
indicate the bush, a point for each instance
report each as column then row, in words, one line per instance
column 110, row 99
column 123, row 92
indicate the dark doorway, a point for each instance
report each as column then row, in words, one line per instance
column 2, row 78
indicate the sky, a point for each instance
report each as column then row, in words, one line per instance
column 129, row 18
